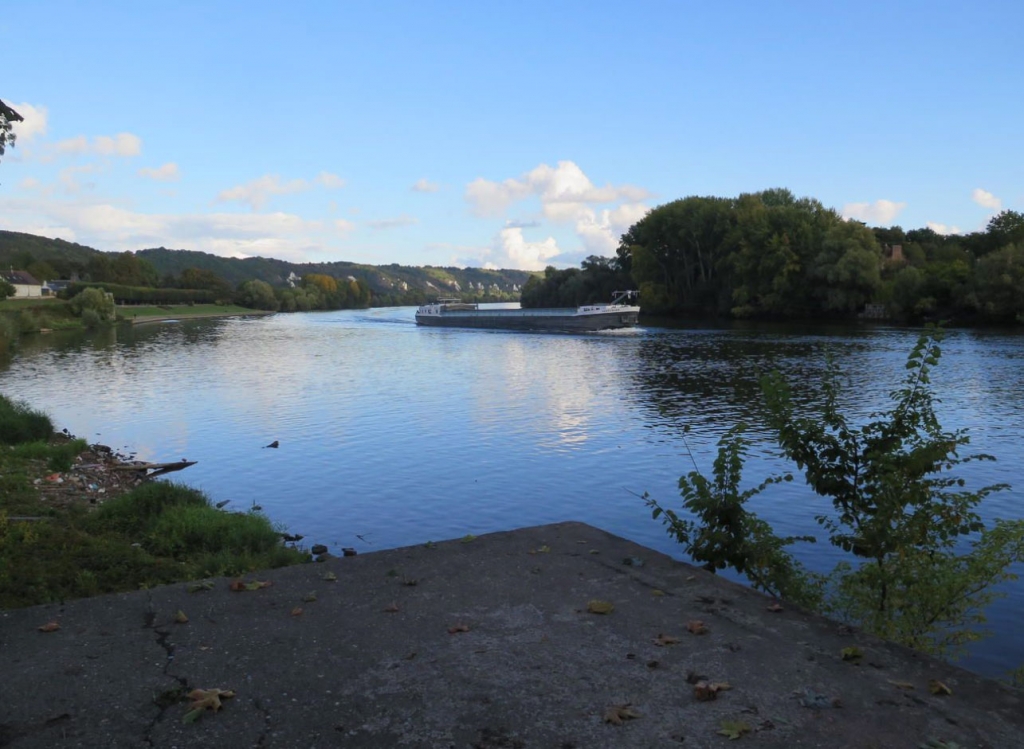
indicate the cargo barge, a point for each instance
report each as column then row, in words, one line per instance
column 455, row 313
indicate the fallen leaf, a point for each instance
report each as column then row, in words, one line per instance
column 410, row 581
column 180, row 617
column 200, row 586
column 330, row 577
column 663, row 640
column 690, row 578
column 939, row 689
column 697, row 627
column 391, row 608
column 901, row 684
column 240, row 585
column 652, row 664
column 309, row 597
column 656, row 592
column 543, row 549
column 49, row 627
column 616, row 714
column 705, row 691
column 468, row 537
column 595, row 551
column 297, row 611
column 851, row 654
column 733, row 728
column 456, row 628
column 600, row 607
column 205, row 699
column 775, row 608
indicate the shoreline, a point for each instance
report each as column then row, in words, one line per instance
column 133, row 321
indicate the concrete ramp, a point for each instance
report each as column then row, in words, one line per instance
column 493, row 642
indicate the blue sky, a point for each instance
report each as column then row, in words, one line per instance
column 504, row 134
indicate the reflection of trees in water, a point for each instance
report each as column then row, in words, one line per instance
column 710, row 380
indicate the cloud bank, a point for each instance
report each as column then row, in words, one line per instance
column 879, row 213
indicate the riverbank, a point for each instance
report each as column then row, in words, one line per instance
column 552, row 636
column 80, row 520
column 138, row 315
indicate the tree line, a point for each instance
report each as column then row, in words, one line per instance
column 772, row 255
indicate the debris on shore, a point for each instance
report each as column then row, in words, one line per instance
column 97, row 474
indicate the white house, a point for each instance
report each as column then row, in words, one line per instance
column 24, row 284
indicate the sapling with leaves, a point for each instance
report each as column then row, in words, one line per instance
column 727, row 534
column 922, row 564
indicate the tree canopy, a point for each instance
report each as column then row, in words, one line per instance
column 770, row 254
column 7, row 119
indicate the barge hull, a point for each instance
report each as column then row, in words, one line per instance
column 516, row 320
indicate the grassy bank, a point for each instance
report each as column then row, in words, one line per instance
column 157, row 533
column 142, row 313
column 19, row 316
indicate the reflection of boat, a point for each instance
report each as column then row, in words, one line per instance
column 457, row 314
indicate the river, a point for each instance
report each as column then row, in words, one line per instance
column 392, row 434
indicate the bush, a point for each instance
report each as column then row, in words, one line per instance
column 921, row 565
column 19, row 423
column 95, row 301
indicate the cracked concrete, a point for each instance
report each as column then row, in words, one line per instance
column 371, row 662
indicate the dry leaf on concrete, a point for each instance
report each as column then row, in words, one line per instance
column 617, row 714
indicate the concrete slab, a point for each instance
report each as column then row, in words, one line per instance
column 491, row 646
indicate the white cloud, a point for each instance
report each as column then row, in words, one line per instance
column 600, row 232
column 68, row 178
column 986, row 199
column 34, row 123
column 73, row 146
column 256, row 192
column 514, row 223
column 123, row 144
column 510, row 249
column 943, row 229
column 563, row 191
column 880, row 213
column 393, row 223
column 30, row 183
column 111, row 227
column 343, row 226
column 425, row 185
column 330, row 181
column 166, row 173
column 492, row 198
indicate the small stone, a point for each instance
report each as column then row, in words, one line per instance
column 319, row 549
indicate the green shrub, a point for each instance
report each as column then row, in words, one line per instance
column 920, row 564
column 58, row 457
column 19, row 423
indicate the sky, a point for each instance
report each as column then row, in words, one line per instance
column 507, row 135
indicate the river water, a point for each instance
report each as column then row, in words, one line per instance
column 392, row 434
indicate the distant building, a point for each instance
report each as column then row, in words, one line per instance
column 52, row 288
column 24, row 284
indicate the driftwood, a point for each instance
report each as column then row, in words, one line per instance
column 154, row 469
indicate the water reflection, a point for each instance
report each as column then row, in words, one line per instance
column 402, row 434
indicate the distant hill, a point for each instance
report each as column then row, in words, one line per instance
column 394, row 283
